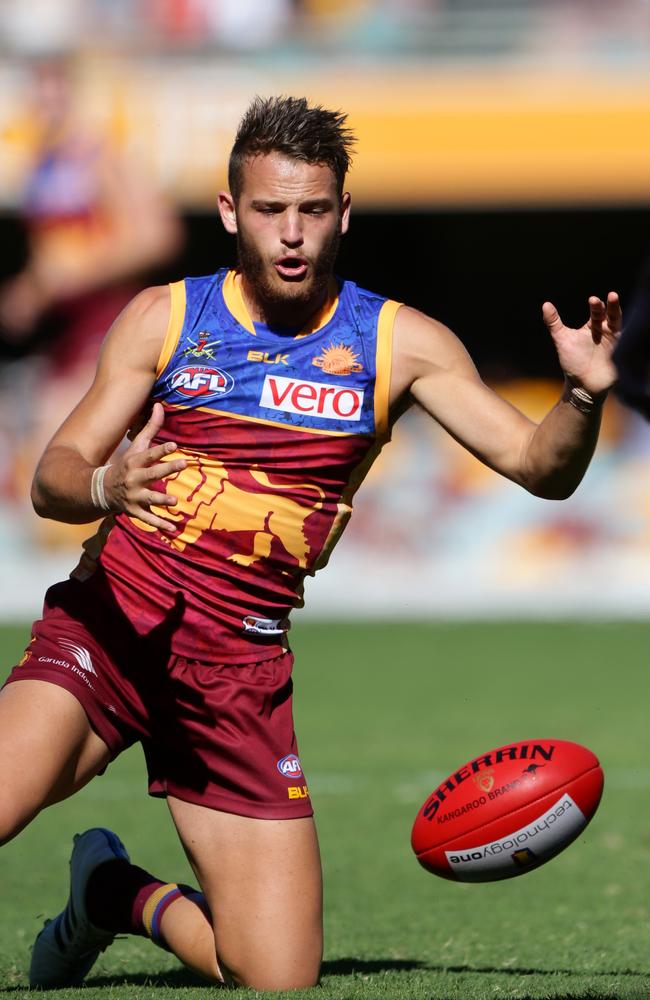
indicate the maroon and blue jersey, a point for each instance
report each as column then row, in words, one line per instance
column 278, row 428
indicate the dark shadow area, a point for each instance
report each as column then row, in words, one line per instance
column 175, row 978
column 514, row 971
column 348, row 966
column 370, row 966
column 184, row 979
column 484, row 273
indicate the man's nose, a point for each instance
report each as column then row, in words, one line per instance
column 291, row 234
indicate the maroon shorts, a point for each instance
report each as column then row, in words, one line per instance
column 218, row 735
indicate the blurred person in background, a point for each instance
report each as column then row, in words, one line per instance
column 234, row 25
column 94, row 228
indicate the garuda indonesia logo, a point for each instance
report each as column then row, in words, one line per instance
column 194, row 381
column 338, row 359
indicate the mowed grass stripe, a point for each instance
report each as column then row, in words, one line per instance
column 381, row 709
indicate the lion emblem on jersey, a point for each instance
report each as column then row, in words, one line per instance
column 209, row 501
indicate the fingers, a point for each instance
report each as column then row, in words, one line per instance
column 551, row 317
column 146, row 467
column 601, row 313
column 144, row 513
column 614, row 313
column 155, row 499
column 163, row 470
column 143, row 498
column 144, row 437
column 597, row 314
column 159, row 451
column 156, row 522
column 141, row 505
column 603, row 317
column 139, row 421
column 139, row 457
column 131, row 482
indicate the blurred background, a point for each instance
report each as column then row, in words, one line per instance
column 503, row 159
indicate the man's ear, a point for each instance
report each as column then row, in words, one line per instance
column 346, row 203
column 227, row 211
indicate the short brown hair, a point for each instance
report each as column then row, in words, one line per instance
column 290, row 126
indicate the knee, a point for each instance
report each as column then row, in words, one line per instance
column 263, row 963
column 272, row 976
column 269, row 982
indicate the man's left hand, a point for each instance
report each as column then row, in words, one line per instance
column 585, row 354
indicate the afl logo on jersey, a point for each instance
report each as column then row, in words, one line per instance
column 200, row 381
column 290, row 767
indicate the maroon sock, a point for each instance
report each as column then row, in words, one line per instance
column 116, row 894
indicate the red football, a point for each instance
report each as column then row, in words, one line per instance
column 508, row 811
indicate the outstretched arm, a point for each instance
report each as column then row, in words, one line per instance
column 63, row 487
column 548, row 459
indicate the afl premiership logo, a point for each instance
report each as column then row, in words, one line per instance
column 200, row 381
column 290, row 767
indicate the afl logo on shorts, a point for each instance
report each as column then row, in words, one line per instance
column 200, row 381
column 290, row 767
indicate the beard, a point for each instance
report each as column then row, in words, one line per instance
column 275, row 295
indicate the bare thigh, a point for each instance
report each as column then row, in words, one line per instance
column 47, row 751
column 262, row 881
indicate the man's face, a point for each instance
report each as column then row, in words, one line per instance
column 288, row 220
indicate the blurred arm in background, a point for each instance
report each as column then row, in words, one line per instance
column 95, row 230
column 91, row 222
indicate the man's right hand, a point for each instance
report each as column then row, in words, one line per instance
column 128, row 482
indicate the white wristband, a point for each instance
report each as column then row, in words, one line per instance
column 97, row 494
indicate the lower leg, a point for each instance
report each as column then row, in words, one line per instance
column 126, row 899
column 109, row 895
column 188, row 933
column 262, row 882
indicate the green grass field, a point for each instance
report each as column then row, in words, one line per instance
column 383, row 711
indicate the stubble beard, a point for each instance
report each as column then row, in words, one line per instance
column 286, row 301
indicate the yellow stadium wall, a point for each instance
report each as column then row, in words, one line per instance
column 427, row 137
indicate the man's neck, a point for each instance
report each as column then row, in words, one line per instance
column 290, row 315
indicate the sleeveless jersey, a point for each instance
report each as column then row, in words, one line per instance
column 278, row 429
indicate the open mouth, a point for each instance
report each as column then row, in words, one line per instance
column 291, row 268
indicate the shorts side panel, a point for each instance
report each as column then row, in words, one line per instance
column 96, row 715
column 63, row 652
